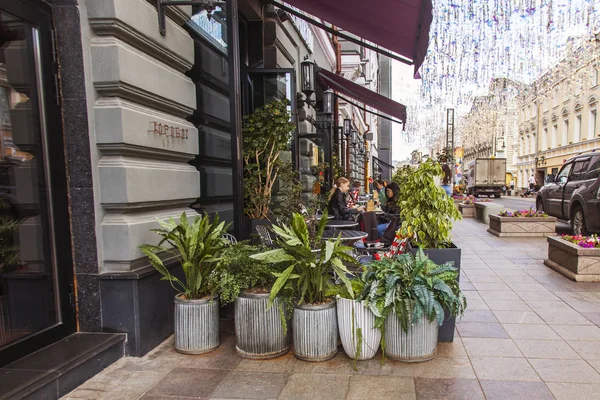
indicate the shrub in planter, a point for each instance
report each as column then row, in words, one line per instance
column 261, row 332
column 410, row 296
column 576, row 257
column 427, row 214
column 309, row 262
column 196, row 246
column 356, row 323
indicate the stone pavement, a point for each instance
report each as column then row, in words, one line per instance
column 528, row 333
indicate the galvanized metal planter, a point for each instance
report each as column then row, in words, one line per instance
column 315, row 332
column 259, row 332
column 353, row 316
column 417, row 345
column 196, row 325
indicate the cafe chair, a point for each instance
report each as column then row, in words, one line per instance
column 229, row 237
column 264, row 235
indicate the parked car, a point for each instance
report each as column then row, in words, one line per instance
column 574, row 194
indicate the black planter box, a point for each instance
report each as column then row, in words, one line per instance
column 441, row 256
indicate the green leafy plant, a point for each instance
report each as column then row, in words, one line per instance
column 9, row 250
column 309, row 261
column 413, row 287
column 426, row 211
column 266, row 133
column 237, row 271
column 196, row 246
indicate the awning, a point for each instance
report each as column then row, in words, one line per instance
column 363, row 95
column 382, row 163
column 401, row 26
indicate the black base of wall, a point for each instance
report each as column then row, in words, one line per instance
column 139, row 304
column 57, row 369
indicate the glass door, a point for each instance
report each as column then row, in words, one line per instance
column 34, row 276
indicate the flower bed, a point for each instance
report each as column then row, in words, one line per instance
column 576, row 257
column 522, row 223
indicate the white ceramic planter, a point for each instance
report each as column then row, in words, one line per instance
column 349, row 326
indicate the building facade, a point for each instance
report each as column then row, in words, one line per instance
column 558, row 117
column 490, row 128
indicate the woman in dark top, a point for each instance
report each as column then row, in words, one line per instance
column 337, row 200
column 391, row 208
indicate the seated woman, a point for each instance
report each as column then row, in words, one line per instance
column 337, row 201
column 391, row 208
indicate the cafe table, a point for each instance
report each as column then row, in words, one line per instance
column 341, row 224
column 345, row 235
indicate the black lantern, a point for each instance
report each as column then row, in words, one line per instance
column 354, row 140
column 307, row 75
column 328, row 102
column 347, row 127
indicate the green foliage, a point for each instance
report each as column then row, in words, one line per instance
column 236, row 271
column 402, row 174
column 266, row 133
column 341, row 290
column 196, row 246
column 426, row 211
column 309, row 260
column 413, row 287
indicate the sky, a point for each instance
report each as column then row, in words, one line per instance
column 474, row 41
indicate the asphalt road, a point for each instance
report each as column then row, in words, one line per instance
column 519, row 203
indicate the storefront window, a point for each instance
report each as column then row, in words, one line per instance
column 28, row 302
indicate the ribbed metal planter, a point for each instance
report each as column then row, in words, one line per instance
column 315, row 332
column 196, row 325
column 364, row 319
column 417, row 345
column 259, row 332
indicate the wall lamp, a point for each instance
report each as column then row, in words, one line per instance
column 328, row 97
column 354, row 138
column 208, row 5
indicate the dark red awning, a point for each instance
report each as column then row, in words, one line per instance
column 401, row 26
column 363, row 95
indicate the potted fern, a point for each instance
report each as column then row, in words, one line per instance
column 427, row 214
column 356, row 322
column 410, row 296
column 309, row 265
column 196, row 246
column 261, row 331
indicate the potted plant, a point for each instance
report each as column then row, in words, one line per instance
column 522, row 223
column 411, row 297
column 427, row 214
column 309, row 264
column 196, row 246
column 266, row 134
column 261, row 331
column 356, row 322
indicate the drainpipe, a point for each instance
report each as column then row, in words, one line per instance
column 337, row 48
column 366, row 149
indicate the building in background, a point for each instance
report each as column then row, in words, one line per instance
column 558, row 114
column 490, row 128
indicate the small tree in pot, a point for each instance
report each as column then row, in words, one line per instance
column 411, row 295
column 266, row 133
column 196, row 246
column 261, row 331
column 427, row 214
column 310, row 262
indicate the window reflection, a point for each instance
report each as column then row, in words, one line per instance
column 27, row 302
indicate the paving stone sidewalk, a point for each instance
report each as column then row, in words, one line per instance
column 529, row 333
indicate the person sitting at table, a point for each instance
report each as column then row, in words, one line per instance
column 381, row 192
column 337, row 201
column 391, row 207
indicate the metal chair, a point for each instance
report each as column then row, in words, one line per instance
column 229, row 237
column 264, row 235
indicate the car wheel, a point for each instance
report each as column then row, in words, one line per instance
column 497, row 196
column 578, row 222
column 539, row 205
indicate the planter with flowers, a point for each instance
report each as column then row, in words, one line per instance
column 576, row 257
column 522, row 223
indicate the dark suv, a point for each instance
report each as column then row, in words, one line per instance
column 574, row 194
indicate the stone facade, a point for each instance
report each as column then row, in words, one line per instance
column 574, row 262
column 467, row 210
column 522, row 226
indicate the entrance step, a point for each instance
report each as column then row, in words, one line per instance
column 60, row 367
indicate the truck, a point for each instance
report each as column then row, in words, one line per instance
column 486, row 176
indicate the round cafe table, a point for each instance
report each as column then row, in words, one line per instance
column 341, row 224
column 345, row 235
